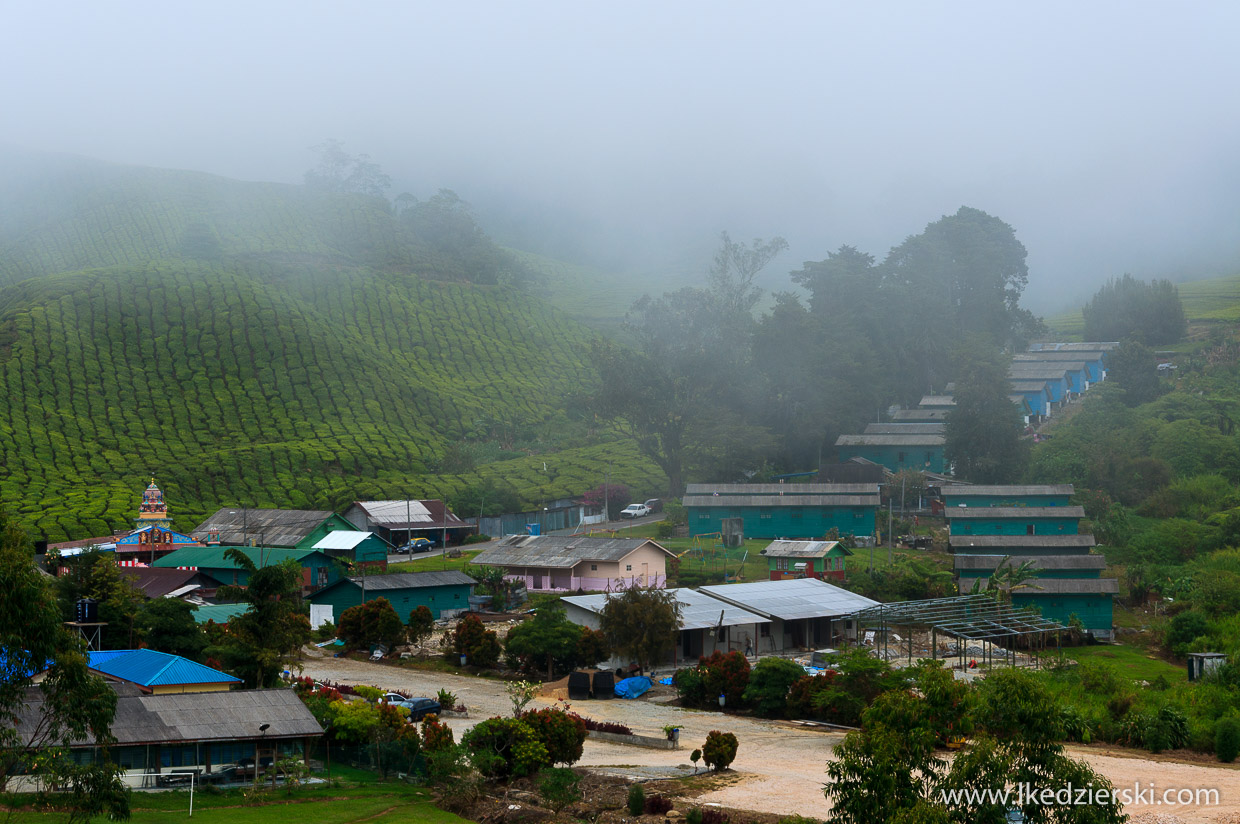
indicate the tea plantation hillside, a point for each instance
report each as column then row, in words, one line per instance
column 1206, row 303
column 289, row 358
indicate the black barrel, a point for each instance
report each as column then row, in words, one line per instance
column 87, row 611
column 604, row 685
column 578, row 686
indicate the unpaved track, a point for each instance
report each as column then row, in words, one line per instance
column 780, row 767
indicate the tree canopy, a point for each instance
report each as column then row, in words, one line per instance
column 1127, row 308
column 641, row 624
column 982, row 435
column 261, row 642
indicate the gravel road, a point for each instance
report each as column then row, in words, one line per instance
column 780, row 766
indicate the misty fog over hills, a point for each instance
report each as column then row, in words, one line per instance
column 627, row 139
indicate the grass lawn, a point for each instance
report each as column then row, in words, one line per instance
column 437, row 562
column 1133, row 662
column 322, row 805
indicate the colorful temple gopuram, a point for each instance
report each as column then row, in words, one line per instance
column 153, row 536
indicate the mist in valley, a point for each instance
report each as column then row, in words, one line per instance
column 628, row 139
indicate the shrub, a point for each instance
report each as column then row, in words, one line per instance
column 657, row 805
column 563, row 735
column 695, row 757
column 1183, row 629
column 693, row 815
column 505, row 747
column 712, row 816
column 602, row 726
column 725, row 674
column 476, row 539
column 374, row 622
column 1227, row 738
column 436, row 735
column 558, row 787
column 719, row 750
column 637, row 799
column 371, row 694
column 665, row 529
column 1166, row 729
column 459, row 795
column 446, row 699
column 480, row 645
column 421, row 624
column 690, row 687
column 769, row 684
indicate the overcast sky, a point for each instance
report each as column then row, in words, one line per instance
column 1106, row 134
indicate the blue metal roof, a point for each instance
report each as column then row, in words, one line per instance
column 149, row 668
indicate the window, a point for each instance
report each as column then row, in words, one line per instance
column 794, row 512
column 703, row 516
column 628, row 567
column 764, row 630
column 929, row 458
column 594, row 567
column 764, row 514
column 781, row 563
column 1029, row 529
column 900, row 456
column 456, row 596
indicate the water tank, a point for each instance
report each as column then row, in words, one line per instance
column 604, row 685
column 87, row 611
column 578, row 686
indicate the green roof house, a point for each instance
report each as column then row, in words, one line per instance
column 446, row 593
column 317, row 569
column 286, row 528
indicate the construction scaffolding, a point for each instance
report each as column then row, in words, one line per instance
column 991, row 624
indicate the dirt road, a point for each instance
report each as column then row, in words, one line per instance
column 780, row 767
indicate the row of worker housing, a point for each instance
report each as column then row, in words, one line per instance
column 1042, row 381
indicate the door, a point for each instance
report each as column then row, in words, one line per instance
column 645, row 572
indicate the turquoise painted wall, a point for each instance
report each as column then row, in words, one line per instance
column 404, row 601
column 806, row 522
column 896, row 458
column 1094, row 610
column 1014, row 526
column 1021, row 551
column 334, row 523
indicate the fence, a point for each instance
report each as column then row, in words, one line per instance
column 572, row 583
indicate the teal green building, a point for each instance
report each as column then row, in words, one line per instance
column 794, row 511
column 287, row 528
column 446, row 593
column 996, row 527
column 897, row 446
column 317, row 569
column 354, row 547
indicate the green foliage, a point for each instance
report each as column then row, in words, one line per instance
column 641, row 623
column 505, row 747
column 1227, row 738
column 75, row 705
column 368, row 693
column 545, row 641
column 470, row 637
column 167, row 625
column 695, row 757
column 562, row 734
column 371, row 623
column 1126, row 308
column 769, row 683
column 719, row 750
column 558, row 787
column 421, row 624
column 1133, row 368
column 636, row 799
column 1183, row 629
column 982, row 435
column 446, row 699
column 1166, row 729
column 949, row 703
column 725, row 673
column 266, row 639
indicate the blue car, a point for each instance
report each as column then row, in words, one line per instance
column 416, row 545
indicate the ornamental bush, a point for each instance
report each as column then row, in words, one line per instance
column 719, row 750
column 562, row 734
column 505, row 748
column 480, row 645
column 1227, row 738
column 769, row 684
column 725, row 674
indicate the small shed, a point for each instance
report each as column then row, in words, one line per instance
column 806, row 559
column 1204, row 664
column 355, row 547
column 446, row 593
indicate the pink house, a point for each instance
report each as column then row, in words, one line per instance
column 568, row 563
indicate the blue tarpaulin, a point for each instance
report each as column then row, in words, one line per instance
column 633, row 687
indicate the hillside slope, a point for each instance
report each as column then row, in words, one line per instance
column 1206, row 302
column 291, row 359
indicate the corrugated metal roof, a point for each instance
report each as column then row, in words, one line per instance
column 890, row 440
column 698, row 610
column 212, row 557
column 342, row 539
column 156, row 669
column 920, row 414
column 219, row 613
column 156, row 582
column 1029, row 362
column 275, row 527
column 1082, row 346
column 559, row 551
column 1057, row 357
column 791, row 599
column 1001, row 491
column 1059, row 586
column 1037, row 561
column 965, row 513
column 1029, row 386
column 1021, row 541
column 415, row 580
column 801, row 549
column 781, row 501
column 782, row 489
column 937, row 400
column 1038, row 372
column 905, row 429
column 409, row 514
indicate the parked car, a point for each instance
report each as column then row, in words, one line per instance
column 394, row 698
column 416, row 545
column 655, row 504
column 419, row 708
column 635, row 511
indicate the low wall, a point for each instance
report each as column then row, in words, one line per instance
column 649, row 741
